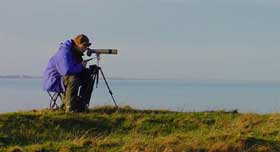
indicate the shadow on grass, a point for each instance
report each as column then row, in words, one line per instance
column 25, row 129
column 255, row 144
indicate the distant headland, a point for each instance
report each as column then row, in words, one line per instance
column 23, row 76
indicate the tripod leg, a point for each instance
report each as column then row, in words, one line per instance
column 111, row 93
column 97, row 75
column 95, row 79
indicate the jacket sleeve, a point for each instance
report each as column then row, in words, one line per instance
column 67, row 65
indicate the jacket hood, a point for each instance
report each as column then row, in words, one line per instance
column 67, row 44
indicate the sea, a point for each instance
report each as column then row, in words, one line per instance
column 174, row 95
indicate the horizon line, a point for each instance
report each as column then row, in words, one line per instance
column 25, row 76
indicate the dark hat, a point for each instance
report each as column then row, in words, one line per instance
column 82, row 39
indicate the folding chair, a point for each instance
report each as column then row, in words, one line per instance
column 53, row 98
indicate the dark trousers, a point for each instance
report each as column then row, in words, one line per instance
column 78, row 91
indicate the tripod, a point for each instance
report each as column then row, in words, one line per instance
column 95, row 75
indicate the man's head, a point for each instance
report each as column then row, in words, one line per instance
column 81, row 42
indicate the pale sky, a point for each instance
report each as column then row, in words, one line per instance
column 190, row 39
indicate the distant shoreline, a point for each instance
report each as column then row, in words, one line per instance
column 192, row 81
column 19, row 77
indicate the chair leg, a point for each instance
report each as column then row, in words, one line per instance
column 53, row 104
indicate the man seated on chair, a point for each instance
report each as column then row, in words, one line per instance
column 66, row 73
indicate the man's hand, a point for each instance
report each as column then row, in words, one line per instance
column 84, row 63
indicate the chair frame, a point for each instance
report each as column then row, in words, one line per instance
column 53, row 98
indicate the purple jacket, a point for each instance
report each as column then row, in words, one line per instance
column 61, row 64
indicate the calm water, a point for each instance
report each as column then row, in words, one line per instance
column 25, row 94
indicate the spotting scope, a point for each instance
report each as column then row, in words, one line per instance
column 101, row 51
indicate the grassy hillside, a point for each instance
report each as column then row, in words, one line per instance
column 104, row 129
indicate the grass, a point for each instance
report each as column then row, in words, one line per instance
column 105, row 129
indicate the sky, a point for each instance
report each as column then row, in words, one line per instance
column 182, row 39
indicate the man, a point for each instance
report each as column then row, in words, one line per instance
column 66, row 73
